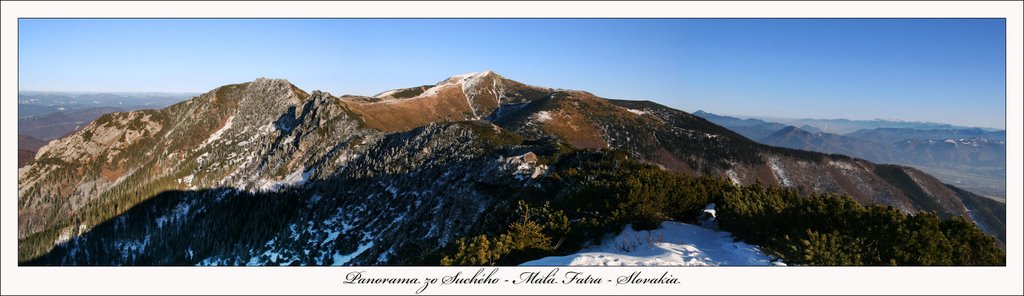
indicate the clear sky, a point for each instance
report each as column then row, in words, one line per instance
column 940, row 70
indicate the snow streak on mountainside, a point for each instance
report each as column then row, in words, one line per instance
column 378, row 178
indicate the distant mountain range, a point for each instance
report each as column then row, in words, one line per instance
column 793, row 137
column 845, row 126
column 893, row 135
column 972, row 158
column 263, row 173
column 32, row 103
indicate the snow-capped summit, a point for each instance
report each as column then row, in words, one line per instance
column 466, row 77
column 469, row 96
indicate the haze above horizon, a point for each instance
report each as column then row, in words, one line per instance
column 934, row 70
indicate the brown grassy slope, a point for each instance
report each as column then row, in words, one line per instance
column 449, row 104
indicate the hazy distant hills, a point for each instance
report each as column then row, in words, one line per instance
column 50, row 115
column 751, row 128
column 893, row 135
column 793, row 137
column 844, row 126
column 972, row 158
column 44, row 116
column 263, row 172
column 31, row 103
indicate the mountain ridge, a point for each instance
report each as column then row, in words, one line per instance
column 268, row 135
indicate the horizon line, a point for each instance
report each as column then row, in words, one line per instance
column 740, row 116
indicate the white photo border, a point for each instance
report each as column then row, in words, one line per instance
column 328, row 280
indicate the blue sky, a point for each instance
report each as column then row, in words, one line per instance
column 941, row 70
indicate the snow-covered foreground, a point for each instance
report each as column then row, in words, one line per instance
column 673, row 244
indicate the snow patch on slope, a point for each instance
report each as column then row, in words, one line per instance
column 842, row 165
column 220, row 132
column 461, row 81
column 733, row 176
column 542, row 116
column 673, row 244
column 637, row 112
column 296, row 178
column 471, row 80
column 340, row 259
column 469, row 88
column 385, row 94
column 776, row 165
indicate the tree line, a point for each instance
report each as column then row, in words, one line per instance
column 601, row 192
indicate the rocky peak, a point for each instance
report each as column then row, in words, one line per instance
column 279, row 90
column 264, row 81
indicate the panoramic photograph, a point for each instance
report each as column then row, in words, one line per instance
column 511, row 142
